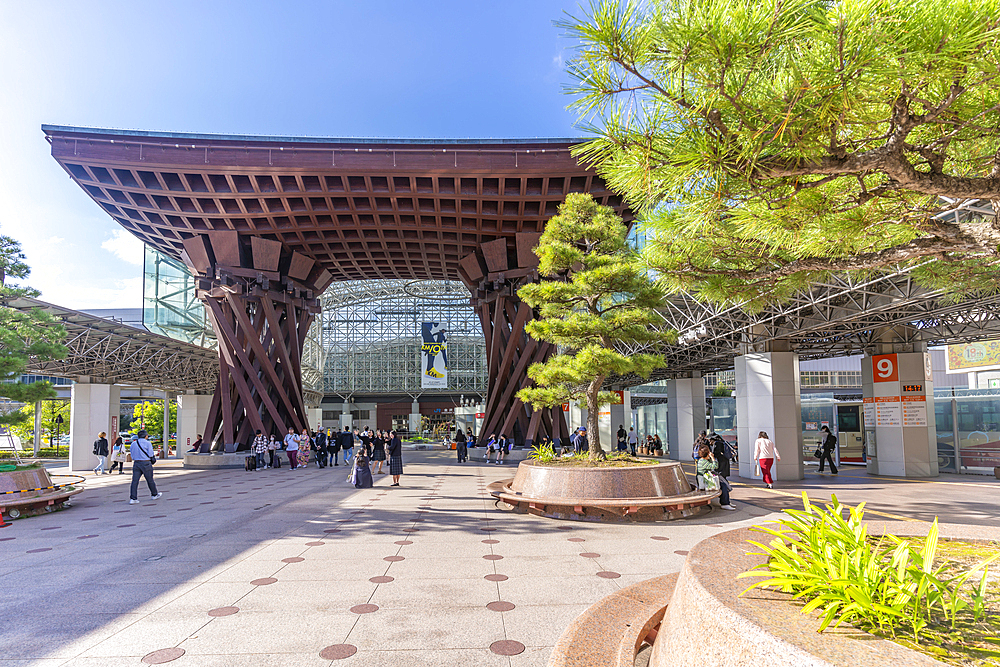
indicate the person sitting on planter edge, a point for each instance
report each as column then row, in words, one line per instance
column 707, row 465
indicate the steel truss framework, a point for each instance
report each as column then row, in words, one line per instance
column 108, row 352
column 371, row 337
column 841, row 316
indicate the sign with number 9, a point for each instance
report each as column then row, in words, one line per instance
column 884, row 368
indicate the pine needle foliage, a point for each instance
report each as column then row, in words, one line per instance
column 769, row 143
column 23, row 335
column 596, row 299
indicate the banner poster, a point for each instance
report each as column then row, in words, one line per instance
column 981, row 356
column 433, row 356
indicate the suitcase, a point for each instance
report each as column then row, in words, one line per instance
column 250, row 463
column 277, row 460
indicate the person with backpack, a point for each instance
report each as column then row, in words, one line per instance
column 702, row 439
column 622, row 442
column 827, row 447
column 101, row 452
column 143, row 458
column 461, row 446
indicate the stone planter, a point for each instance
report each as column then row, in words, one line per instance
column 631, row 493
column 764, row 627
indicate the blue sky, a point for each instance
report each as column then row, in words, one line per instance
column 375, row 68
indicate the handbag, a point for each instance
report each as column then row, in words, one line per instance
column 711, row 481
column 818, row 453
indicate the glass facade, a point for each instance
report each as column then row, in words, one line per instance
column 169, row 305
column 973, row 415
column 371, row 337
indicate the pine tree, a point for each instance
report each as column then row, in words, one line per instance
column 596, row 303
column 23, row 335
column 770, row 143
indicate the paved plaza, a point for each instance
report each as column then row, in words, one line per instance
column 275, row 567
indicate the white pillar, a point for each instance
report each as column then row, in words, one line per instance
column 900, row 432
column 166, row 425
column 767, row 399
column 685, row 415
column 192, row 417
column 38, row 428
column 415, row 418
column 345, row 416
column 91, row 408
column 315, row 418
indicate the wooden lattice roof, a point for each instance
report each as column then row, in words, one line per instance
column 362, row 208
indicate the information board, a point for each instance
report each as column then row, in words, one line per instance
column 914, row 411
column 888, row 411
column 869, row 410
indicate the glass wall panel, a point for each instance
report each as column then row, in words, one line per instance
column 169, row 305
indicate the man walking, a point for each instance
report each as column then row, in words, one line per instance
column 347, row 445
column 142, row 466
column 633, row 440
column 321, row 448
column 829, row 445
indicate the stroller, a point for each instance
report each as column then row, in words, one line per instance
column 361, row 474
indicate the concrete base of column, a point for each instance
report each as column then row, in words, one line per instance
column 315, row 418
column 91, row 408
column 192, row 416
column 767, row 399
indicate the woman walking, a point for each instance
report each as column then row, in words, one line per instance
column 827, row 447
column 764, row 452
column 395, row 458
column 461, row 446
column 379, row 442
column 118, row 456
column 272, row 446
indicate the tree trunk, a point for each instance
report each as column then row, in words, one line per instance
column 593, row 426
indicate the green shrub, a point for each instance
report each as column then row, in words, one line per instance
column 883, row 585
column 542, row 453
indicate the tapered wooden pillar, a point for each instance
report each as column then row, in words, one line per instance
column 494, row 274
column 261, row 298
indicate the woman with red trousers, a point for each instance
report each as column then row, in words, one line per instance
column 765, row 452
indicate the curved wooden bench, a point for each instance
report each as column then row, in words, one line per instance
column 648, row 509
column 611, row 632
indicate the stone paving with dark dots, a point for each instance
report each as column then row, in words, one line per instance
column 300, row 568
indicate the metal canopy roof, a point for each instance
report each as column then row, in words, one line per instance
column 108, row 352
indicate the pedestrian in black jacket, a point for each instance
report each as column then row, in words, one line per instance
column 828, row 445
column 319, row 443
column 101, row 452
column 461, row 446
column 333, row 443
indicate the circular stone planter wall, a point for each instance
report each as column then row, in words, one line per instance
column 708, row 624
column 29, row 502
column 633, row 493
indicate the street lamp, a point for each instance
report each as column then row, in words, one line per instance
column 58, row 421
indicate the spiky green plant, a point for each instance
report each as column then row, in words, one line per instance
column 882, row 585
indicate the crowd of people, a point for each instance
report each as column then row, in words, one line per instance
column 712, row 454
column 326, row 448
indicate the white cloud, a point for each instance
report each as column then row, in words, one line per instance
column 125, row 293
column 557, row 61
column 124, row 246
column 56, row 239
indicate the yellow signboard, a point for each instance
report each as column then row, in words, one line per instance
column 981, row 356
